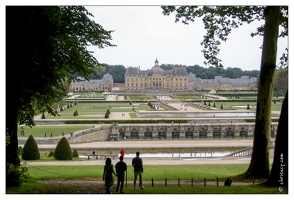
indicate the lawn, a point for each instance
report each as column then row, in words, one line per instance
column 158, row 173
column 98, row 110
column 39, row 131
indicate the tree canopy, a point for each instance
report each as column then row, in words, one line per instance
column 218, row 22
column 45, row 46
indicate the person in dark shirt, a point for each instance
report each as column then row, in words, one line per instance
column 120, row 168
column 137, row 163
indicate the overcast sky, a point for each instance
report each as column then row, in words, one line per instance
column 143, row 33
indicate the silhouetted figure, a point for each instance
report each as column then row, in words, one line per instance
column 228, row 182
column 120, row 167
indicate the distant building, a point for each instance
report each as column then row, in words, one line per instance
column 177, row 79
column 156, row 78
column 104, row 84
column 220, row 83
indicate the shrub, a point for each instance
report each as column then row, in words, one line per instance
column 222, row 107
column 107, row 114
column 31, row 150
column 75, row 153
column 16, row 175
column 248, row 107
column 61, row 108
column 51, row 154
column 63, row 150
column 19, row 151
column 75, row 113
column 43, row 116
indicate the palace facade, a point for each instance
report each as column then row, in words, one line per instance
column 156, row 78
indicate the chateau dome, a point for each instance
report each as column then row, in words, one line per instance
column 133, row 71
column 156, row 70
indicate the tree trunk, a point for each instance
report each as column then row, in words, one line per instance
column 279, row 172
column 259, row 165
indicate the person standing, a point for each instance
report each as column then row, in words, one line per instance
column 137, row 163
column 107, row 175
column 122, row 152
column 120, row 168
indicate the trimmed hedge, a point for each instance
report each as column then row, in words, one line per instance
column 30, row 150
column 75, row 154
column 148, row 121
column 63, row 150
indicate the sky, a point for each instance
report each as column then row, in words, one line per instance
column 143, row 33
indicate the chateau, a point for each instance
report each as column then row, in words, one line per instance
column 158, row 79
column 177, row 79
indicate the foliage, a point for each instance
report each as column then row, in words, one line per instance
column 51, row 45
column 43, row 116
column 75, row 153
column 30, row 149
column 281, row 81
column 20, row 150
column 219, row 21
column 51, row 154
column 63, row 150
column 221, row 107
column 107, row 114
column 17, row 175
column 75, row 113
column 248, row 107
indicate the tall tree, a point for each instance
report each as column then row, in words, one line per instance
column 219, row 21
column 45, row 45
column 279, row 172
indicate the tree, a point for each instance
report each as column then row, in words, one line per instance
column 30, row 149
column 279, row 172
column 75, row 153
column 219, row 21
column 45, row 45
column 281, row 81
column 63, row 150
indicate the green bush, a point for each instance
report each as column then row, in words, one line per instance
column 248, row 107
column 43, row 116
column 16, row 175
column 51, row 154
column 19, row 151
column 222, row 107
column 63, row 150
column 107, row 114
column 30, row 149
column 75, row 113
column 75, row 154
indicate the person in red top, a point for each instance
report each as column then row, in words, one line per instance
column 122, row 152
